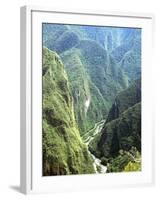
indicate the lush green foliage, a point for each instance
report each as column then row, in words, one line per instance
column 96, row 82
column 125, row 161
column 122, row 131
column 63, row 150
column 107, row 77
column 125, row 99
column 83, row 89
column 133, row 166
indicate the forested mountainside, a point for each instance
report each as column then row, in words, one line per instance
column 122, row 130
column 87, row 60
column 124, row 100
column 63, row 149
column 91, row 98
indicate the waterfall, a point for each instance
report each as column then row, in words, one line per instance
column 86, row 104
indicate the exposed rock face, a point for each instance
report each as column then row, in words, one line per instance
column 63, row 150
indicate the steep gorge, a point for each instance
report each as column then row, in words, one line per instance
column 95, row 78
column 92, row 98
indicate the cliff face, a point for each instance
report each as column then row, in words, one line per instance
column 63, row 150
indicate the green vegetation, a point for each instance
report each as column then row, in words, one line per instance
column 132, row 167
column 83, row 90
column 51, row 32
column 106, row 75
column 126, row 161
column 89, row 83
column 89, row 79
column 63, row 150
column 121, row 131
column 125, row 99
column 66, row 41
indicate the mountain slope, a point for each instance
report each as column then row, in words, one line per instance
column 63, row 150
column 103, row 71
column 95, row 80
column 125, row 99
column 96, row 75
column 121, row 132
column 89, row 103
column 100, row 64
column 128, row 53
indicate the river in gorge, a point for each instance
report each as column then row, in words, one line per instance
column 88, row 137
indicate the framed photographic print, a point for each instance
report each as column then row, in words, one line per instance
column 86, row 103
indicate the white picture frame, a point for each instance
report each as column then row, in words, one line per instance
column 31, row 51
